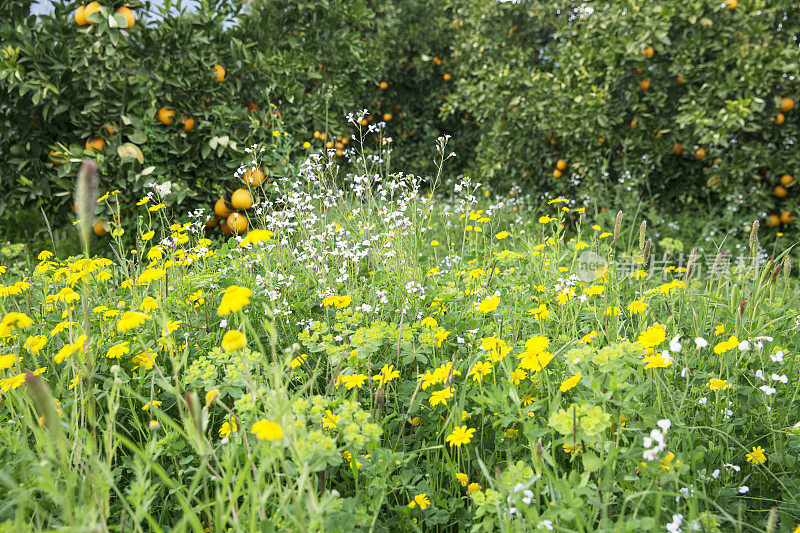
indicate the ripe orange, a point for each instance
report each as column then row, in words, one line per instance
column 786, row 217
column 681, row 81
column 447, row 77
column 677, row 149
column 323, row 134
column 329, row 144
column 223, row 208
column 237, row 223
column 212, row 221
column 219, row 73
column 645, row 85
column 561, row 164
column 773, row 220
column 57, row 158
column 780, row 192
column 556, row 173
column 339, row 153
column 780, row 119
column 316, row 134
column 251, row 107
column 786, row 179
column 700, row 153
column 129, row 16
column 95, row 145
column 364, row 122
column 223, row 226
column 253, row 177
column 648, row 52
column 80, row 16
column 387, row 117
column 384, row 85
column 732, row 4
column 242, row 199
column 787, row 104
column 91, row 8
column 100, row 229
column 165, row 116
column 188, row 124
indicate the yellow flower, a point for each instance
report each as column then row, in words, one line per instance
column 612, row 310
column 462, row 478
column 480, row 370
column 719, row 330
column 421, row 501
column 473, row 487
column 234, row 299
column 227, row 428
column 211, row 395
column 429, row 322
column 460, row 435
column 489, row 304
column 434, row 243
column 441, row 336
column 757, row 456
column 256, row 236
column 330, row 419
column 7, row 361
column 353, row 381
column 118, row 350
column 416, row 421
column 636, row 307
column 144, row 359
column 594, row 290
column 267, row 430
column 517, row 376
column 35, row 344
column 149, row 235
column 545, row 219
column 12, row 382
column 131, row 320
column 502, row 235
column 569, row 383
column 654, row 336
column 233, row 340
column 654, row 360
column 148, row 405
column 441, row 396
column 149, row 304
column 716, row 384
column 12, row 321
column 340, row 302
column 387, row 374
column 727, row 345
column 70, row 349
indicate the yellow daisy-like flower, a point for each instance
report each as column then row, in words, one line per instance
column 757, row 456
column 118, row 350
column 233, row 340
column 131, row 320
column 35, row 343
column 387, row 374
column 636, row 307
column 473, row 487
column 234, row 299
column 462, row 478
column 12, row 321
column 460, row 435
column 441, row 396
column 570, row 383
column 267, row 430
column 227, row 428
column 716, row 384
column 654, row 336
column 489, row 304
column 256, row 236
column 421, row 501
column 502, row 235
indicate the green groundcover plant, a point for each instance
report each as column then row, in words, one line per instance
column 372, row 355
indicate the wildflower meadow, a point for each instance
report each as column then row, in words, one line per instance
column 358, row 265
column 375, row 355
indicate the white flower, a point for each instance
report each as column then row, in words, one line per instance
column 664, row 424
column 675, row 525
column 744, row 346
column 702, row 401
column 223, row 323
column 777, row 357
column 675, row 344
column 767, row 390
column 743, row 489
column 545, row 524
column 700, row 342
column 760, row 374
column 782, row 379
column 715, row 474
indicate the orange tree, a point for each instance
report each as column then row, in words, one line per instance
column 679, row 104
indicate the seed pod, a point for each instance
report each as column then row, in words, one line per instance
column 754, row 237
column 776, row 272
column 787, row 267
column 690, row 264
column 742, row 306
column 718, row 263
column 646, row 251
column 642, row 229
column 617, row 226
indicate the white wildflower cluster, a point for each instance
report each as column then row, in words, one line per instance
column 657, row 441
